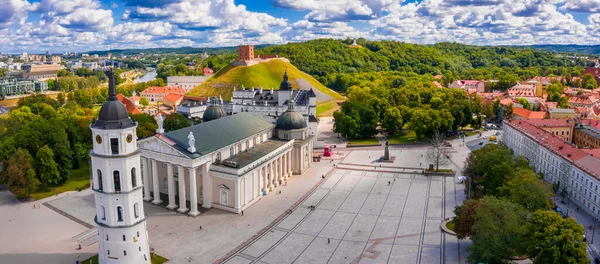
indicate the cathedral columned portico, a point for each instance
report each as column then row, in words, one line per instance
column 228, row 163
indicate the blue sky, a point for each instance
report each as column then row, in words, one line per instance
column 81, row 25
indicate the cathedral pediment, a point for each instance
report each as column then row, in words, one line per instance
column 158, row 145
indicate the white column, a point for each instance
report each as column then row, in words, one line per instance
column 236, row 194
column 280, row 168
column 207, row 188
column 146, row 175
column 155, row 183
column 285, row 169
column 274, row 177
column 261, row 186
column 193, row 193
column 271, row 175
column 290, row 157
column 171, row 183
column 182, row 200
column 264, row 180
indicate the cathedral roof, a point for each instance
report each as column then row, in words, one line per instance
column 113, row 114
column 219, row 133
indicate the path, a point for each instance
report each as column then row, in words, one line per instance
column 305, row 85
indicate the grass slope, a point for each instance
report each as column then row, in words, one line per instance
column 268, row 74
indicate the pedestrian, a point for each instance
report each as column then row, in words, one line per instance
column 420, row 164
column 328, row 240
column 242, row 213
column 394, row 179
column 200, row 227
column 323, row 176
column 389, row 183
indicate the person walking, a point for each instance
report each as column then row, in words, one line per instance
column 328, row 240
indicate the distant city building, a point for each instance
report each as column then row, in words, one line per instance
column 75, row 64
column 173, row 99
column 90, row 65
column 10, row 87
column 479, row 86
column 155, row 94
column 129, row 105
column 524, row 114
column 37, row 72
column 192, row 107
column 186, row 82
column 586, row 134
column 523, row 90
column 559, row 113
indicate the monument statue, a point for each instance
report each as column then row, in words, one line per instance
column 191, row 142
column 386, row 154
column 160, row 129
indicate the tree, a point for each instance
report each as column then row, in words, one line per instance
column 465, row 218
column 508, row 111
column 588, row 81
column 47, row 169
column 20, row 176
column 499, row 231
column 175, row 121
column 553, row 239
column 420, row 122
column 438, row 154
column 144, row 101
column 61, row 99
column 527, row 190
column 146, row 125
column 524, row 102
column 392, row 121
column 488, row 110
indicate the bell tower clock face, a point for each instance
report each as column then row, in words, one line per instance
column 129, row 138
column 98, row 139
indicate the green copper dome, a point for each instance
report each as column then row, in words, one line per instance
column 212, row 112
column 290, row 119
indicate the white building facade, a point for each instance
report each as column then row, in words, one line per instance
column 575, row 170
column 117, row 185
column 186, row 82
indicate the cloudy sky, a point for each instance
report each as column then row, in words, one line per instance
column 81, row 25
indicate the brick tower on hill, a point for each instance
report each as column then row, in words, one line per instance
column 245, row 52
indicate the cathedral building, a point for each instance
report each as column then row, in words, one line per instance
column 227, row 162
column 117, row 184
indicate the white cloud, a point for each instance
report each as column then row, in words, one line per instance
column 582, row 6
column 339, row 10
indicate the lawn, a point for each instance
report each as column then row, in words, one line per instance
column 323, row 107
column 156, row 259
column 80, row 178
column 405, row 137
column 368, row 141
column 472, row 133
column 450, row 225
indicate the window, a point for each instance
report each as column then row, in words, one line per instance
column 133, row 178
column 99, row 174
column 107, row 237
column 124, row 239
column 135, row 211
column 103, row 212
column 117, row 180
column 114, row 145
column 124, row 253
column 140, row 249
column 120, row 214
column 108, row 252
column 231, row 151
column 145, row 257
column 138, row 234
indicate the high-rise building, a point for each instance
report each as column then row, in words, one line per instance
column 117, row 185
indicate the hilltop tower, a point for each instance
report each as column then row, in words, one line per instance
column 117, row 184
column 245, row 52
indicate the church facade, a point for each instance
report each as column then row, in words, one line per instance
column 227, row 162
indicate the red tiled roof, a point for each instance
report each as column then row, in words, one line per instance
column 128, row 105
column 546, row 79
column 173, row 97
column 528, row 114
column 135, row 98
column 437, row 84
column 551, row 122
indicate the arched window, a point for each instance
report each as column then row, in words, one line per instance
column 99, row 174
column 119, row 213
column 133, row 178
column 117, row 180
column 135, row 210
column 124, row 239
column 103, row 212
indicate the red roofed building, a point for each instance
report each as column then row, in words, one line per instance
column 173, row 99
column 522, row 90
column 437, row 84
column 208, row 71
column 573, row 169
column 155, row 94
column 129, row 105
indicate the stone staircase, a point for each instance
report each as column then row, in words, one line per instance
column 88, row 237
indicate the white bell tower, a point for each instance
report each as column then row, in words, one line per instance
column 117, row 185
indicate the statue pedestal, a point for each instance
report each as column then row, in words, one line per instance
column 390, row 160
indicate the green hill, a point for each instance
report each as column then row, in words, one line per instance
column 268, row 74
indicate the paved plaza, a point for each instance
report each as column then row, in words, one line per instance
column 360, row 217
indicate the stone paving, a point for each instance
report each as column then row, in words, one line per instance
column 359, row 217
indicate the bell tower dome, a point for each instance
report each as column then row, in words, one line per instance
column 117, row 184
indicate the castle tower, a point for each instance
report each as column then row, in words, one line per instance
column 117, row 184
